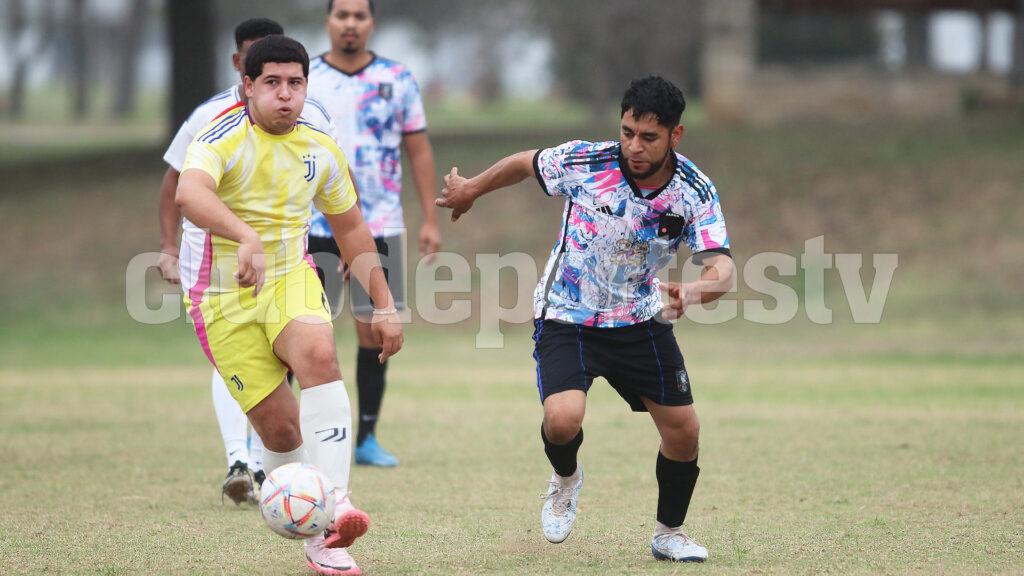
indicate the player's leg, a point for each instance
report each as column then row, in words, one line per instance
column 306, row 343
column 371, row 375
column 238, row 483
column 657, row 376
column 256, row 460
column 676, row 471
column 563, row 378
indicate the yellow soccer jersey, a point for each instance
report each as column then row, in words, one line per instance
column 270, row 182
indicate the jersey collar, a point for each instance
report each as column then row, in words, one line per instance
column 638, row 191
column 353, row 74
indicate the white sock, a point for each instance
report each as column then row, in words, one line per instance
column 272, row 460
column 232, row 421
column 255, row 450
column 326, row 421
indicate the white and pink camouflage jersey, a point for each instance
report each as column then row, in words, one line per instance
column 616, row 236
column 372, row 110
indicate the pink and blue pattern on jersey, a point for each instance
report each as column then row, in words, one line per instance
column 373, row 110
column 616, row 237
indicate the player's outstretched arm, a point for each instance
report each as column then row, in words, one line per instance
column 358, row 249
column 197, row 199
column 459, row 193
column 169, row 216
column 715, row 280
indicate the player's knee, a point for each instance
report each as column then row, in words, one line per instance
column 562, row 427
column 282, row 435
column 322, row 361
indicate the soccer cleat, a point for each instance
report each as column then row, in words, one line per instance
column 331, row 561
column 349, row 523
column 237, row 484
column 677, row 547
column 559, row 512
column 257, row 483
column 369, row 453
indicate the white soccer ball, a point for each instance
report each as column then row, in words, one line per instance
column 297, row 501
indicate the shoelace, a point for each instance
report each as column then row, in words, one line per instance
column 678, row 536
column 561, row 501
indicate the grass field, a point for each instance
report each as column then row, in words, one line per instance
column 889, row 448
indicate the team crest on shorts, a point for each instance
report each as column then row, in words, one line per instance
column 385, row 90
column 683, row 381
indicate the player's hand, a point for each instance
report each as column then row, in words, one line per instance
column 456, row 194
column 387, row 331
column 676, row 306
column 168, row 264
column 252, row 264
column 430, row 241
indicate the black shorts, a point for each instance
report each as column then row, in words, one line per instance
column 390, row 249
column 638, row 360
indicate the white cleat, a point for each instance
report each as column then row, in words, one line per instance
column 329, row 561
column 559, row 512
column 677, row 547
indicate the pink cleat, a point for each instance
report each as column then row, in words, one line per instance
column 349, row 523
column 330, row 561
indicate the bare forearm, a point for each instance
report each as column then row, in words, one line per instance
column 505, row 172
column 715, row 281
column 169, row 214
column 425, row 175
column 197, row 200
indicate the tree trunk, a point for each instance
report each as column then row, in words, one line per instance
column 15, row 28
column 1017, row 72
column 79, row 60
column 191, row 29
column 131, row 33
column 915, row 38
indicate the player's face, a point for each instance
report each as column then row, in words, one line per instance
column 276, row 96
column 647, row 147
column 349, row 26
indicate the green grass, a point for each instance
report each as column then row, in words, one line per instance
column 810, row 465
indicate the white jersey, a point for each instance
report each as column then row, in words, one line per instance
column 374, row 108
column 313, row 112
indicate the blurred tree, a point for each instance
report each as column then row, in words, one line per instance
column 131, row 34
column 26, row 47
column 79, row 59
column 191, row 31
column 600, row 46
column 916, row 39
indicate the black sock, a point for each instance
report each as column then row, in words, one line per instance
column 370, row 384
column 676, row 481
column 562, row 457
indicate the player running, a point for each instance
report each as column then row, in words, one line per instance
column 598, row 310
column 246, row 189
column 244, row 455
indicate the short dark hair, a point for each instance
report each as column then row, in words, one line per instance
column 330, row 6
column 254, row 29
column 278, row 49
column 657, row 96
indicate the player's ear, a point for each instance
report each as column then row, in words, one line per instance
column 247, row 82
column 236, row 61
column 676, row 135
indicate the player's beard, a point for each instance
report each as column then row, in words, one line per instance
column 349, row 49
column 649, row 172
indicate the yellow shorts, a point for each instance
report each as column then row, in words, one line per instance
column 237, row 331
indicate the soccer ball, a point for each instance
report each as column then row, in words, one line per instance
column 297, row 500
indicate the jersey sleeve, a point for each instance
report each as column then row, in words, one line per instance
column 175, row 154
column 706, row 230
column 556, row 173
column 316, row 114
column 413, row 118
column 206, row 157
column 337, row 195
